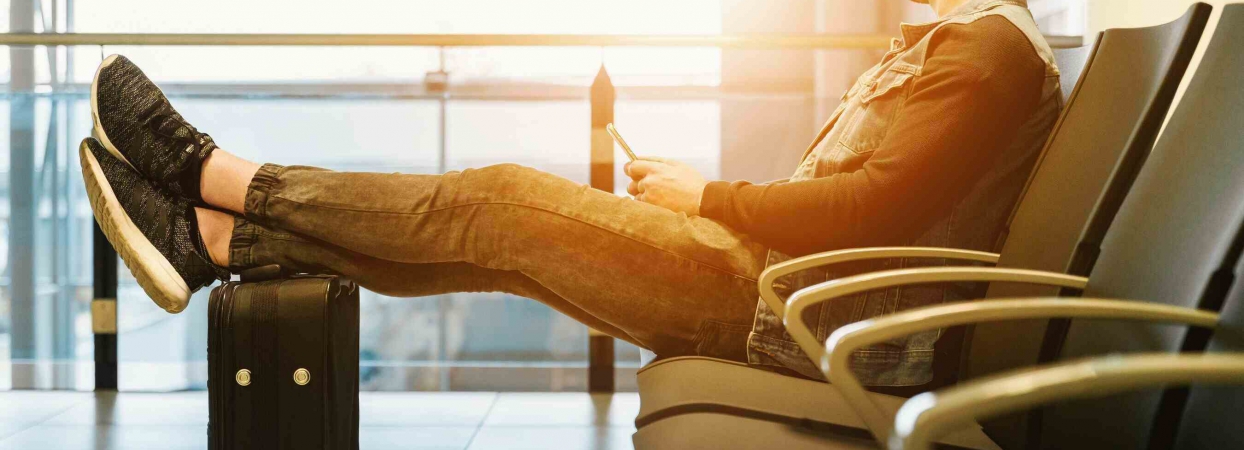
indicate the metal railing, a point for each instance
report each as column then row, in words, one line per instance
column 748, row 41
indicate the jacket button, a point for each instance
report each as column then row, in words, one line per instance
column 243, row 377
column 302, row 377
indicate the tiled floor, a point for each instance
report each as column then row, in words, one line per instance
column 451, row 420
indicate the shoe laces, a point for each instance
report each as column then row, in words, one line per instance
column 164, row 121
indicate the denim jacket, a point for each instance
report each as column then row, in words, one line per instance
column 847, row 140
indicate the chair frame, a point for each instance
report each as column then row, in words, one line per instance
column 847, row 339
column 770, row 275
column 930, row 414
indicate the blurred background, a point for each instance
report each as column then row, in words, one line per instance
column 732, row 113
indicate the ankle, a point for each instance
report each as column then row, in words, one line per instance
column 224, row 180
column 216, row 230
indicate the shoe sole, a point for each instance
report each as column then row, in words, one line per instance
column 98, row 128
column 154, row 272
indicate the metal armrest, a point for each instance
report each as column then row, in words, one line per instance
column 931, row 414
column 804, row 298
column 846, row 340
column 772, row 273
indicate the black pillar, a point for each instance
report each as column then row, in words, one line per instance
column 104, row 312
column 600, row 345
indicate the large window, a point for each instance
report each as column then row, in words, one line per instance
column 1060, row 17
column 351, row 108
column 369, row 109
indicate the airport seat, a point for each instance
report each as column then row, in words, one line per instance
column 1129, row 80
column 1205, row 418
column 699, row 420
column 1209, row 416
column 1172, row 255
column 928, row 414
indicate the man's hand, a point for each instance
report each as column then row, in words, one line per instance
column 666, row 183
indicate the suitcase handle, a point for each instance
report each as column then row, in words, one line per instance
column 276, row 272
column 263, row 273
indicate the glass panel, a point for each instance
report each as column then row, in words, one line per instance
column 372, row 134
column 233, row 64
column 1060, row 17
column 295, row 65
column 548, row 135
column 163, row 352
column 628, row 66
column 466, row 66
column 6, row 300
column 458, row 341
column 45, row 327
column 685, row 130
column 402, row 16
column 645, row 66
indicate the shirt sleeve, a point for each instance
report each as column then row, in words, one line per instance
column 980, row 83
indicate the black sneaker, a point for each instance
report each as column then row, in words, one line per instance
column 155, row 233
column 136, row 123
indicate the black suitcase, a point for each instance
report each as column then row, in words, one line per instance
column 283, row 363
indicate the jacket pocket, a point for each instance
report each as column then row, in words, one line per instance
column 879, row 102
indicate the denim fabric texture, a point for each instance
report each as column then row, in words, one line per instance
column 674, row 284
column 845, row 143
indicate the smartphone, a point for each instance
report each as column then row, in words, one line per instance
column 621, row 142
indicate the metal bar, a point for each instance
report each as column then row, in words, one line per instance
column 444, row 301
column 48, row 188
column 754, row 41
column 49, row 26
column 507, row 90
column 25, row 318
column 442, row 94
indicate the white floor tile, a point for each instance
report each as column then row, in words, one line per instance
column 552, row 438
column 22, row 409
column 181, row 408
column 415, row 438
column 566, row 409
column 424, row 408
column 101, row 437
column 416, row 420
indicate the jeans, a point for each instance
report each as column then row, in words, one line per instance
column 674, row 284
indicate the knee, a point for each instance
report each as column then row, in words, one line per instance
column 514, row 180
column 516, row 184
column 499, row 177
column 508, row 171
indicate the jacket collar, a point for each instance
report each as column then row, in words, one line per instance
column 915, row 32
column 980, row 5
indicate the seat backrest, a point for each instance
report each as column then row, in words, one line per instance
column 1211, row 415
column 1103, row 136
column 1174, row 230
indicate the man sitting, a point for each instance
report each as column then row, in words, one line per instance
column 931, row 147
